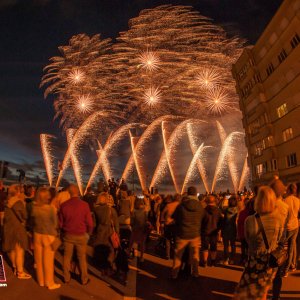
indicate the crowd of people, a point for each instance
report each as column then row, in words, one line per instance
column 190, row 229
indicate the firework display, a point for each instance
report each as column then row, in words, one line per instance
column 172, row 67
column 172, row 60
column 171, row 143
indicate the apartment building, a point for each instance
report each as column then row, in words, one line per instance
column 268, row 84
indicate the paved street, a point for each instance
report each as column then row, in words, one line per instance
column 147, row 280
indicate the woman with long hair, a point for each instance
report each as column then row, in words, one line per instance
column 44, row 220
column 15, row 239
column 106, row 222
column 139, row 223
column 258, row 275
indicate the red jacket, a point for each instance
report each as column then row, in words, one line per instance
column 75, row 217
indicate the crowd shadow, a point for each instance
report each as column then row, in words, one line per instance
column 159, row 286
column 230, row 267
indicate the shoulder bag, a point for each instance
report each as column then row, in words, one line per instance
column 277, row 257
column 114, row 238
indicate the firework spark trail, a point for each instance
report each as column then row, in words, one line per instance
column 225, row 153
column 74, row 159
column 103, row 160
column 191, row 172
column 245, row 174
column 128, row 168
column 162, row 165
column 170, row 142
column 109, row 147
column 160, row 170
column 96, row 168
column 147, row 134
column 134, row 142
column 169, row 148
column 221, row 131
column 47, row 155
column 79, row 137
column 231, row 162
column 199, row 162
column 167, row 158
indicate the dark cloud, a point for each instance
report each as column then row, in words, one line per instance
column 7, row 3
column 10, row 3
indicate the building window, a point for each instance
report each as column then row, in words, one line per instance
column 282, row 56
column 269, row 141
column 287, row 134
column 243, row 71
column 270, row 69
column 273, row 164
column 254, row 127
column 259, row 147
column 259, row 169
column 282, row 110
column 257, row 78
column 295, row 41
column 291, row 160
column 248, row 87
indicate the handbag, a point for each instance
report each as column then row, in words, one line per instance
column 114, row 238
column 277, row 257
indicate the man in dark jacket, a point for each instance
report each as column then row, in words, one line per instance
column 210, row 227
column 188, row 218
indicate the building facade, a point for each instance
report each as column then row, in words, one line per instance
column 268, row 84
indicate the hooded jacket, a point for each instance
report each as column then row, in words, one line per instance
column 212, row 220
column 188, row 218
column 229, row 228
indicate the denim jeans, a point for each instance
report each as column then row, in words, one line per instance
column 226, row 243
column 291, row 238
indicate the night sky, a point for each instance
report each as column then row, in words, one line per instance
column 31, row 31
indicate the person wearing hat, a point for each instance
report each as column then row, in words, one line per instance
column 188, row 218
column 210, row 227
